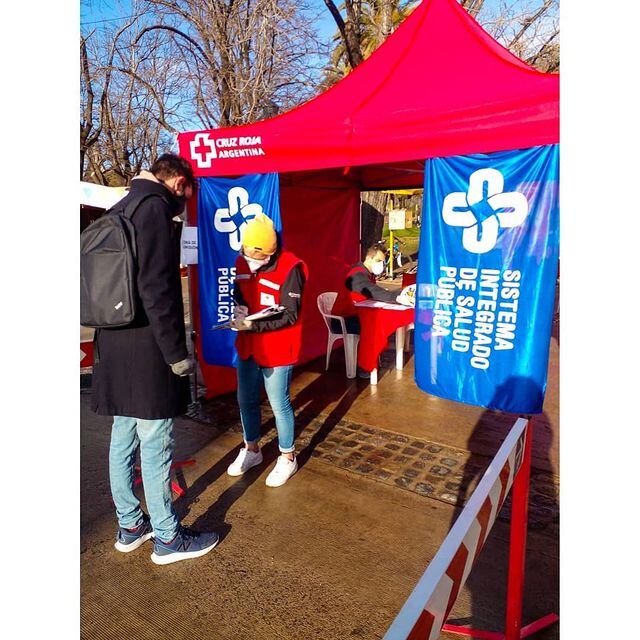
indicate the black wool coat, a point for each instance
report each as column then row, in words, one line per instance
column 131, row 373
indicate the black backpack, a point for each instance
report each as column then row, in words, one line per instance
column 108, row 267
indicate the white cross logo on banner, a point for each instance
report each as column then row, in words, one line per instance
column 230, row 220
column 483, row 209
column 203, row 150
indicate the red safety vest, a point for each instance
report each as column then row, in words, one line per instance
column 261, row 290
column 343, row 306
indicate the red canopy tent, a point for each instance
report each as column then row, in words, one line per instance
column 438, row 86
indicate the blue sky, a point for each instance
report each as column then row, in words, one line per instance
column 93, row 13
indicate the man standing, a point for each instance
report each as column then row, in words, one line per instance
column 140, row 372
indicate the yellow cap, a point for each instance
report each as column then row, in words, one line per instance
column 260, row 235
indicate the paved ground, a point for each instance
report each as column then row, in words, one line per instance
column 334, row 553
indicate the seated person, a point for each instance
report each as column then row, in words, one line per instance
column 360, row 284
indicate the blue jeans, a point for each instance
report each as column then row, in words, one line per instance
column 156, row 449
column 276, row 384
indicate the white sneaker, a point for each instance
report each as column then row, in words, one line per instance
column 245, row 460
column 283, row 470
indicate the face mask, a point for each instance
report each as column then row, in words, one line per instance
column 377, row 268
column 180, row 200
column 181, row 203
column 254, row 264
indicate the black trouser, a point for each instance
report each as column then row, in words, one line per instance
column 351, row 322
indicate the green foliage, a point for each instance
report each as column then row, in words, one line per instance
column 371, row 33
column 412, row 232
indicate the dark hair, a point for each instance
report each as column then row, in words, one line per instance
column 169, row 165
column 373, row 251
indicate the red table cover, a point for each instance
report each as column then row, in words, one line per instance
column 376, row 325
column 408, row 279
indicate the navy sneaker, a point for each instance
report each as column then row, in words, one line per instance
column 130, row 539
column 187, row 544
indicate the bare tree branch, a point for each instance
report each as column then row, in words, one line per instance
column 160, row 117
column 349, row 30
column 528, row 21
column 173, row 30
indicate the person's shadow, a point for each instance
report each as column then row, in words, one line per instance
column 487, row 580
column 310, row 404
column 227, row 418
column 315, row 398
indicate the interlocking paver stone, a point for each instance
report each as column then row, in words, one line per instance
column 424, row 488
column 432, row 470
column 365, row 468
column 440, row 471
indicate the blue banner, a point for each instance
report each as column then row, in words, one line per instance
column 224, row 206
column 486, row 280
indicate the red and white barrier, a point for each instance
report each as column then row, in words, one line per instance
column 86, row 354
column 424, row 613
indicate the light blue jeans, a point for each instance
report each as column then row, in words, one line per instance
column 276, row 383
column 155, row 438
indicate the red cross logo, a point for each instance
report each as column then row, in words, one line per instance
column 203, row 150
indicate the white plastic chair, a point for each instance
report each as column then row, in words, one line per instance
column 350, row 340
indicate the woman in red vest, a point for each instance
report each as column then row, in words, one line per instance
column 267, row 276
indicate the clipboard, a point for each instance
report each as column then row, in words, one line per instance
column 269, row 312
column 266, row 313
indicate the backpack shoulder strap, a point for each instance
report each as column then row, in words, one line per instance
column 128, row 211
